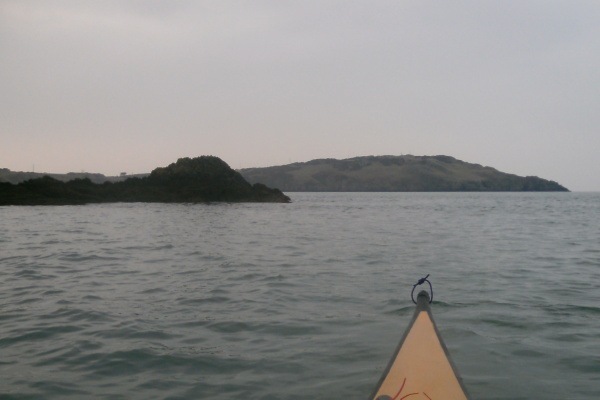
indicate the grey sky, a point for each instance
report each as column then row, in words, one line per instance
column 110, row 86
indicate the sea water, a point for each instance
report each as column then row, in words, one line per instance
column 298, row 301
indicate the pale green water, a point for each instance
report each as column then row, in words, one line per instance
column 298, row 301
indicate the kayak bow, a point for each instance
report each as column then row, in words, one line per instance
column 421, row 367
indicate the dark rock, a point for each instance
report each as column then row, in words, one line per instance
column 201, row 179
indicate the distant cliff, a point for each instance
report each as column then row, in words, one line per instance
column 201, row 179
column 393, row 174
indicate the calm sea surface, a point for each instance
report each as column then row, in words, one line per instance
column 298, row 301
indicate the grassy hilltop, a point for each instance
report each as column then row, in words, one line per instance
column 393, row 174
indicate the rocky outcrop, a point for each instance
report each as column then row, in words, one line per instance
column 201, row 179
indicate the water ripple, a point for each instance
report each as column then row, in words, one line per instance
column 228, row 301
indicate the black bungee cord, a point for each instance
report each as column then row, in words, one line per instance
column 420, row 282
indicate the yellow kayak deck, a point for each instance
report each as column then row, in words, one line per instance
column 421, row 367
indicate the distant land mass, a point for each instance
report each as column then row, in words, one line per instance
column 405, row 173
column 6, row 175
column 189, row 180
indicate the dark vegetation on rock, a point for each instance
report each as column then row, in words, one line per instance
column 394, row 174
column 201, row 179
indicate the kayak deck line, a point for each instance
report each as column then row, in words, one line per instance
column 421, row 367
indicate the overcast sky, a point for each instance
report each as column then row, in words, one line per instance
column 111, row 86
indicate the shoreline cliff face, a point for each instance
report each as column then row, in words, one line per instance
column 394, row 174
column 189, row 180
